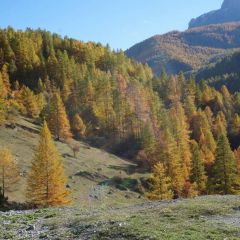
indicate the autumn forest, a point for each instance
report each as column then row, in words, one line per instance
column 182, row 131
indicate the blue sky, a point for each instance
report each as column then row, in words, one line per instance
column 121, row 23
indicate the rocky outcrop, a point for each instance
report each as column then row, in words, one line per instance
column 229, row 12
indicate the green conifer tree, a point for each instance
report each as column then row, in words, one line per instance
column 198, row 175
column 224, row 177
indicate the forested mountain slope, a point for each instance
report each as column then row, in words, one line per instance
column 188, row 50
column 172, row 127
column 93, row 81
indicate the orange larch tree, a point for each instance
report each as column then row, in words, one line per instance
column 46, row 184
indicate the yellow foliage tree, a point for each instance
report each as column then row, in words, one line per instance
column 90, row 91
column 161, row 184
column 46, row 184
column 57, row 118
column 8, row 171
column 103, row 105
column 2, row 101
column 78, row 126
column 235, row 125
column 29, row 101
column 5, row 79
column 172, row 161
column 2, row 112
column 220, row 125
column 182, row 135
column 237, row 157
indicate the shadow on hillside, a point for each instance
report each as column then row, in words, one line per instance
column 124, row 184
column 130, row 169
column 32, row 128
column 9, row 206
column 95, row 177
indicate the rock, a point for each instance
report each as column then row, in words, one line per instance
column 21, row 231
column 31, row 228
column 121, row 224
column 231, row 4
column 49, row 216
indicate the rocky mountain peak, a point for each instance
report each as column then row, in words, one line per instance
column 231, row 4
column 229, row 12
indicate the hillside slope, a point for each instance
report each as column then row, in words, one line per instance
column 189, row 50
column 90, row 175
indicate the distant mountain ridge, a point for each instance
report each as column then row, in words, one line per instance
column 209, row 38
column 229, row 12
column 189, row 50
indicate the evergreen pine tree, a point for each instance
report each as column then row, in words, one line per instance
column 224, row 177
column 198, row 175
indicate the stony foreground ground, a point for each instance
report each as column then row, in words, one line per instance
column 211, row 217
